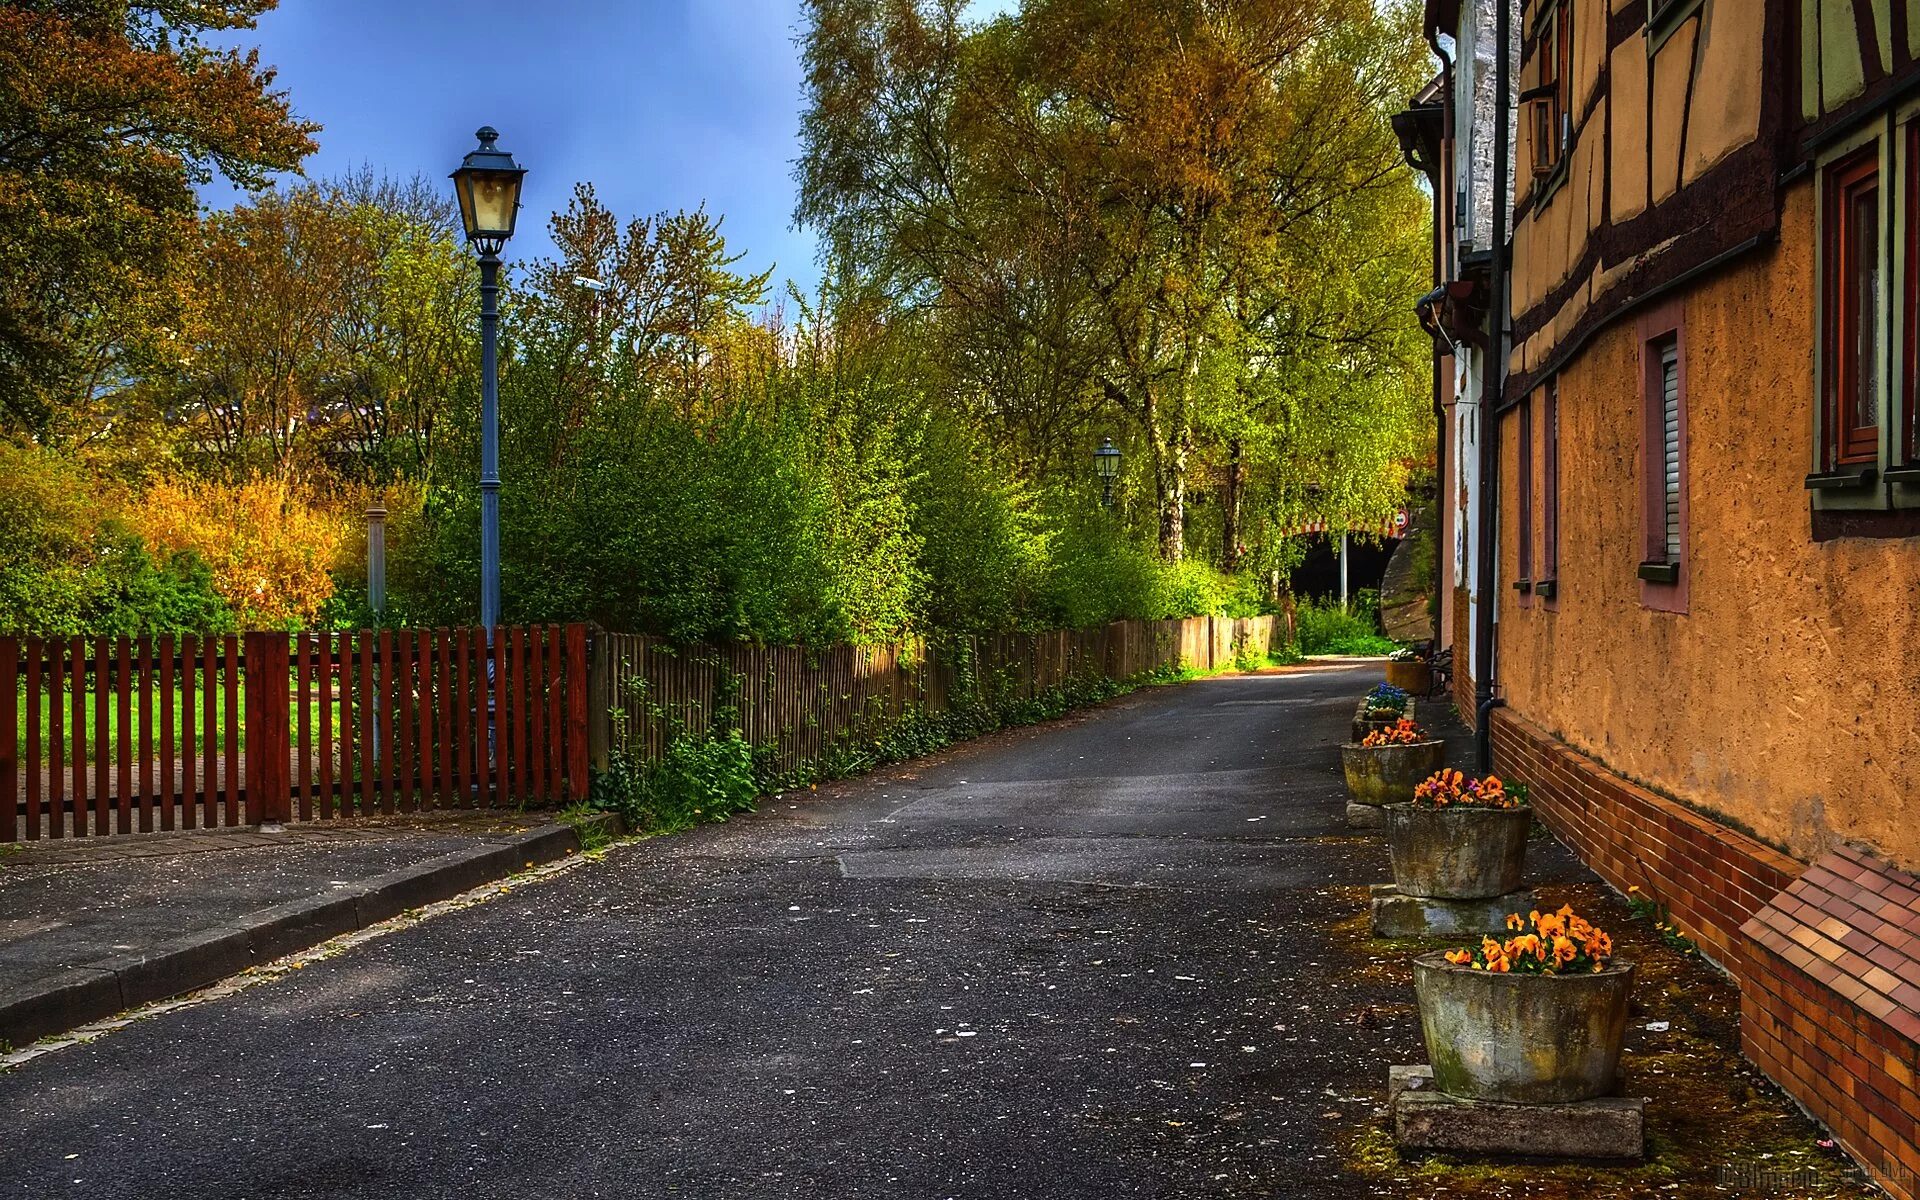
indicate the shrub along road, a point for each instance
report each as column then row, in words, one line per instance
column 1102, row 958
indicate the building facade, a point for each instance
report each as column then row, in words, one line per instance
column 1708, row 508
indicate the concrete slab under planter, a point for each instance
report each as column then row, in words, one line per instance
column 1610, row 1129
column 1401, row 917
column 1366, row 816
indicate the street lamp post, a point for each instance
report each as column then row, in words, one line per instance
column 1106, row 462
column 488, row 187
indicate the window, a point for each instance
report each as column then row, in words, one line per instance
column 1664, row 16
column 1851, row 334
column 1547, row 585
column 1865, row 473
column 1550, row 100
column 1668, row 473
column 1663, row 362
column 1523, row 570
column 1908, row 449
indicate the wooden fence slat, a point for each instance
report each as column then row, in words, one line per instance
column 462, row 740
column 367, row 697
column 163, row 656
column 10, row 740
column 100, row 737
column 577, row 716
column 498, row 719
column 144, row 651
column 303, row 718
column 536, row 714
column 553, row 745
column 189, row 776
column 209, row 731
column 514, row 712
column 56, row 739
column 77, row 734
column 123, row 695
column 231, row 752
column 403, row 738
column 383, row 728
column 327, row 698
column 447, row 702
column 36, row 659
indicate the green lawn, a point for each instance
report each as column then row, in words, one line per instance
column 200, row 736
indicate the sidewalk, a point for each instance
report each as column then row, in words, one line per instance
column 93, row 926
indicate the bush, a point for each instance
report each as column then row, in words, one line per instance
column 1330, row 629
column 69, row 565
column 270, row 548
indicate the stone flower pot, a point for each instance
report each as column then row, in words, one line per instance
column 1414, row 677
column 1363, row 724
column 1522, row 1039
column 1388, row 774
column 1457, row 853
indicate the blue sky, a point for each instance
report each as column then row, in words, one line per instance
column 661, row 104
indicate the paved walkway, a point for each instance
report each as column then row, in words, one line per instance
column 73, row 905
column 1109, row 957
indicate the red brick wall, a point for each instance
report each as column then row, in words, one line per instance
column 1829, row 961
column 1830, row 1006
column 1710, row 877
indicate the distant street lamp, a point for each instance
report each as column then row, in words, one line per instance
column 1106, row 462
column 488, row 187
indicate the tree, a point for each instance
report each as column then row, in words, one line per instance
column 329, row 323
column 110, row 112
column 1105, row 177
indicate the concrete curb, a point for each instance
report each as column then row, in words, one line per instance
column 75, row 995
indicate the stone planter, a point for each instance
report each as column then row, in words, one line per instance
column 1457, row 853
column 1388, row 774
column 1363, row 724
column 1413, row 677
column 1522, row 1039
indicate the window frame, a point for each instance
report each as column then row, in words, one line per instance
column 1843, row 443
column 1665, row 16
column 1523, row 512
column 1550, row 100
column 1663, row 577
column 1853, row 486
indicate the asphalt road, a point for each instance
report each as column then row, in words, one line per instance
column 1093, row 959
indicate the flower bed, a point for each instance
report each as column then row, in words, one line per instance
column 1386, row 765
column 1459, row 838
column 1535, row 1018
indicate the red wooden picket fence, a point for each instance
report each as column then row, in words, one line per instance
column 117, row 735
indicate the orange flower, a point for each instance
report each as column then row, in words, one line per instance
column 1559, row 941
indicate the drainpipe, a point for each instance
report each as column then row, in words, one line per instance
column 1494, row 389
column 1442, row 273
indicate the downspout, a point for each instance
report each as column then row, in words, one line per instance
column 1486, row 548
column 1442, row 272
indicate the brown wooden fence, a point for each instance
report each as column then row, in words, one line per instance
column 118, row 735
column 799, row 703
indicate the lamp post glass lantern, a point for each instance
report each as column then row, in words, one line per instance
column 488, row 188
column 1106, row 463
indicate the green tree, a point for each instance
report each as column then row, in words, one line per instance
column 110, row 112
column 1104, row 179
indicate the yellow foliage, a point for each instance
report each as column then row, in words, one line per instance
column 269, row 545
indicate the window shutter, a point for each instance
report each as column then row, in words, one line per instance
column 1670, row 449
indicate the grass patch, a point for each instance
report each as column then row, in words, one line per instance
column 1331, row 629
